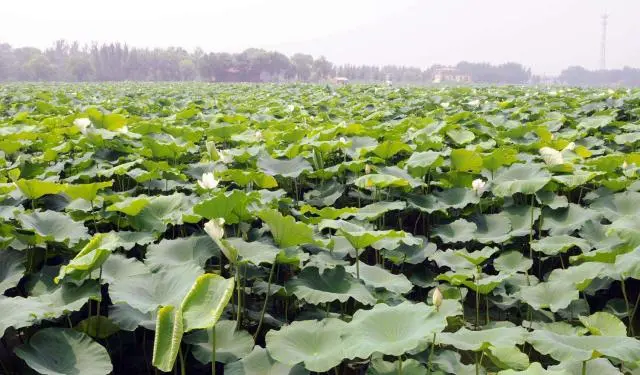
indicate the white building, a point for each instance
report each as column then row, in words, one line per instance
column 450, row 74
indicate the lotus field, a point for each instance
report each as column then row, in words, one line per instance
column 302, row 229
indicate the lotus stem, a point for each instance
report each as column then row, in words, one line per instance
column 477, row 308
column 531, row 236
column 584, row 367
column 239, row 314
column 213, row 349
column 357, row 265
column 626, row 302
column 486, row 305
column 182, row 364
column 433, row 349
column 400, row 365
column 266, row 299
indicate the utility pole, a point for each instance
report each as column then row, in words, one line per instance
column 603, row 43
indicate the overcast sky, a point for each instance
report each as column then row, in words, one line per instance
column 546, row 35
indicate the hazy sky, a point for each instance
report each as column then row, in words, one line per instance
column 546, row 35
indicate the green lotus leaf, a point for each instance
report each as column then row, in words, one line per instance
column 566, row 220
column 520, row 178
column 400, row 173
column 451, row 363
column 484, row 284
column 317, row 344
column 360, row 238
column 256, row 252
column 127, row 240
column 598, row 366
column 166, row 344
column 128, row 318
column 395, row 330
column 193, row 250
column 11, row 269
column 443, row 200
column 388, row 149
column 259, row 362
column 500, row 157
column 579, row 276
column 520, row 217
column 493, row 228
column 604, row 324
column 512, row 261
column 452, row 260
column 555, row 245
column 131, row 205
column 552, row 295
column 34, row 189
column 477, row 257
column 324, row 195
column 466, row 160
column 204, row 303
column 90, row 258
column 583, row 348
column 147, row 292
column 99, row 327
column 86, row 191
column 419, row 163
column 615, row 206
column 560, row 327
column 62, row 351
column 332, row 285
column 231, row 206
column 626, row 266
column 118, row 266
column 575, row 179
column 244, row 178
column 326, row 260
column 54, row 226
column 371, row 181
column 377, row 209
column 328, row 213
column 551, row 199
column 460, row 230
column 508, row 357
column 285, row 168
column 377, row 277
column 161, row 211
column 412, row 254
column 409, row 367
column 464, row 339
column 231, row 344
column 285, row 230
column 535, row 369
column 595, row 122
column 461, row 136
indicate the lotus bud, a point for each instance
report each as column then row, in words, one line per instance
column 258, row 135
column 445, row 105
column 215, row 229
column 124, row 130
column 437, row 298
column 343, row 140
column 208, row 181
column 225, row 156
column 625, row 165
column 367, row 169
column 478, row 185
column 82, row 124
column 571, row 146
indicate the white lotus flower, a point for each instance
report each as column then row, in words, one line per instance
column 571, row 146
column 208, row 181
column 225, row 156
column 258, row 135
column 445, row 105
column 367, row 169
column 437, row 298
column 215, row 229
column 474, row 102
column 343, row 140
column 82, row 124
column 551, row 156
column 625, row 165
column 124, row 130
column 478, row 185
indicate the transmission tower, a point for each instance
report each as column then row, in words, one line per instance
column 603, row 42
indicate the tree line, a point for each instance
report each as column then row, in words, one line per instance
column 65, row 61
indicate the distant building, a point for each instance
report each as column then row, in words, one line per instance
column 450, row 74
column 341, row 80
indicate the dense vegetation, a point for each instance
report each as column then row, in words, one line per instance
column 304, row 229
